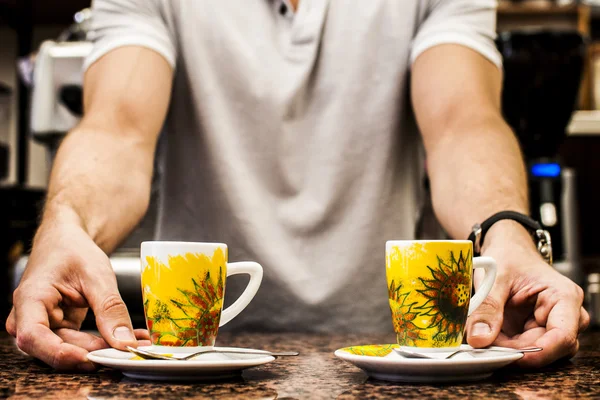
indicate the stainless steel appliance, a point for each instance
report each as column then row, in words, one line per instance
column 592, row 299
column 543, row 71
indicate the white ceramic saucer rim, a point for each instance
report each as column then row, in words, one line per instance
column 399, row 369
column 416, row 361
column 454, row 361
column 97, row 357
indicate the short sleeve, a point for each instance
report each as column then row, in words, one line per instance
column 118, row 23
column 471, row 23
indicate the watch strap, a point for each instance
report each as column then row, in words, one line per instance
column 542, row 237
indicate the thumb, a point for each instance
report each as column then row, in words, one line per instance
column 484, row 325
column 112, row 317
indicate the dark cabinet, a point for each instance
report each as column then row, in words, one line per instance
column 54, row 12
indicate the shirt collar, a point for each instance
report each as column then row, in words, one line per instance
column 284, row 8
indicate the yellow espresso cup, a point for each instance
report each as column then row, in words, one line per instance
column 429, row 288
column 183, row 285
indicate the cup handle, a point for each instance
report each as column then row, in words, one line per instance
column 489, row 265
column 256, row 273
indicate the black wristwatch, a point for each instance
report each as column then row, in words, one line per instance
column 541, row 236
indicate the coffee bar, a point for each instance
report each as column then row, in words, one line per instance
column 175, row 291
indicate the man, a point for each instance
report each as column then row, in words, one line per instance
column 289, row 137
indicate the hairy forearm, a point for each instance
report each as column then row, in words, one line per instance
column 473, row 158
column 100, row 180
column 102, row 173
column 476, row 170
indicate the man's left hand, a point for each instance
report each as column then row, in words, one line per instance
column 531, row 304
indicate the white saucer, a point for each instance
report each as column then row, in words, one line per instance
column 204, row 367
column 381, row 362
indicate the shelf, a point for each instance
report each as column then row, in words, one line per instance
column 544, row 15
column 584, row 123
column 509, row 8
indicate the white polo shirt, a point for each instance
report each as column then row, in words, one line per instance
column 290, row 138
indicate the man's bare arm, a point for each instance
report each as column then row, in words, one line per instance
column 476, row 169
column 473, row 157
column 99, row 190
column 103, row 170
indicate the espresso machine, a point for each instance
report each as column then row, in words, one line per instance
column 56, row 107
column 543, row 71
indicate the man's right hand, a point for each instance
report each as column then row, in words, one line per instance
column 67, row 273
column 98, row 192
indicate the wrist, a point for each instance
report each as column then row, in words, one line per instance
column 508, row 238
column 56, row 210
column 507, row 230
column 57, row 214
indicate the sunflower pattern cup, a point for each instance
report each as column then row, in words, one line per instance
column 183, row 285
column 429, row 290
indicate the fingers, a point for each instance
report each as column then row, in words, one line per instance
column 530, row 324
column 72, row 318
column 484, row 325
column 68, row 317
column 11, row 326
column 584, row 320
column 560, row 339
column 563, row 320
column 526, row 339
column 142, row 334
column 35, row 338
column 143, row 337
column 556, row 346
column 84, row 340
column 112, row 318
column 92, row 342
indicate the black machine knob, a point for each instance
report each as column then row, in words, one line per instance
column 72, row 97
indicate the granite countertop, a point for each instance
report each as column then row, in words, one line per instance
column 315, row 374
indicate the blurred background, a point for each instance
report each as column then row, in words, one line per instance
column 551, row 98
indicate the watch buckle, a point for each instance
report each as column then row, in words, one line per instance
column 477, row 241
column 544, row 245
